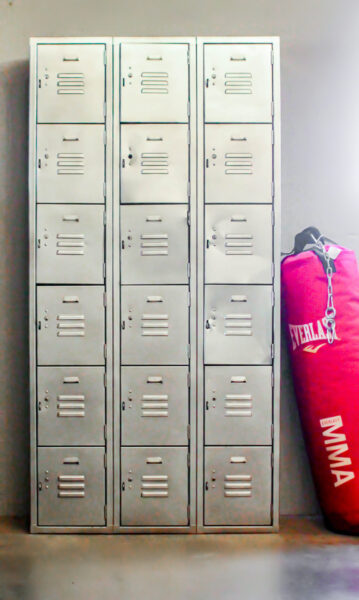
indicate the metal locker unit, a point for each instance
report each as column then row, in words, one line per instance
column 154, row 243
column 71, row 325
column 71, row 485
column 154, row 82
column 238, row 263
column 239, row 242
column 71, row 164
column 154, row 163
column 238, row 486
column 154, row 487
column 238, row 405
column 154, row 209
column 154, row 406
column 71, row 82
column 238, row 82
column 154, row 397
column 71, row 406
column 238, row 162
column 70, row 213
column 70, row 244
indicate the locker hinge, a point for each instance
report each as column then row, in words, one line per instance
column 188, row 136
column 272, row 189
column 105, row 57
column 105, row 299
column 188, row 432
column 188, row 57
column 272, row 460
column 189, row 298
column 272, row 379
column 272, row 137
column 272, row 109
column 105, row 109
column 105, row 513
column 272, row 57
column 273, row 214
column 188, row 380
column 105, row 460
column 105, row 138
column 188, row 513
column 105, row 350
column 272, row 433
column 188, row 271
column 189, row 350
column 273, row 270
column 188, row 109
column 104, row 189
column 188, row 460
column 188, row 218
column 105, row 432
column 189, row 189
column 104, row 218
column 104, row 270
column 105, row 380
column 272, row 350
column 273, row 298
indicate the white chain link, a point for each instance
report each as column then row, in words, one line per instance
column 330, row 311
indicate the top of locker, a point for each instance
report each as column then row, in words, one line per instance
column 154, row 78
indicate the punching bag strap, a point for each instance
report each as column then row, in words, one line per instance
column 311, row 239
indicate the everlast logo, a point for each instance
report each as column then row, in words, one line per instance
column 309, row 332
column 336, row 445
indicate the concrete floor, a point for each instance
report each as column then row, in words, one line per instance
column 303, row 561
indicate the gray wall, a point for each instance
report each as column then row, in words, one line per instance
column 320, row 99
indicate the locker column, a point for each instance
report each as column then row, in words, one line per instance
column 155, row 468
column 69, row 284
column 238, row 294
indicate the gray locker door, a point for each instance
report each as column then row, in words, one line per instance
column 238, row 244
column 238, row 83
column 71, row 483
column 238, row 324
column 71, row 83
column 154, row 244
column 71, row 406
column 154, row 487
column 238, row 405
column 70, row 325
column 154, row 82
column 70, row 244
column 154, row 160
column 155, row 406
column 238, row 163
column 238, row 486
column 70, row 164
column 154, row 325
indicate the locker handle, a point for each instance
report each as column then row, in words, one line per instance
column 71, row 460
column 239, row 379
column 238, row 298
column 240, row 139
column 123, row 324
column 64, row 139
column 71, row 380
column 154, row 58
column 71, row 59
column 240, row 58
column 239, row 218
column 70, row 299
column 150, row 218
column 238, row 459
column 208, row 326
column 154, row 460
column 154, row 379
column 153, row 139
column 154, row 299
column 70, row 218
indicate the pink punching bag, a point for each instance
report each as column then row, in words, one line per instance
column 320, row 293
